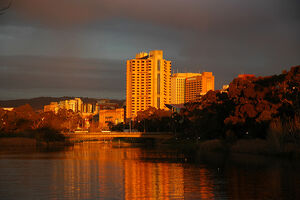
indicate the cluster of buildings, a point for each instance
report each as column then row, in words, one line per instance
column 108, row 112
column 149, row 83
column 76, row 105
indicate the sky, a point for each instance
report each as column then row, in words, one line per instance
column 80, row 47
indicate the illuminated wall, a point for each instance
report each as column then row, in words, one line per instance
column 114, row 116
column 199, row 85
column 73, row 104
column 148, row 82
column 53, row 107
column 178, row 87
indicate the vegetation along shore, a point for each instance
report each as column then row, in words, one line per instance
column 254, row 115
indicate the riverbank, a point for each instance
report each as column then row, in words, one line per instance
column 189, row 147
column 43, row 136
column 27, row 143
column 243, row 146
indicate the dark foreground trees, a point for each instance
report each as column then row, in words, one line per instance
column 47, row 126
column 251, row 108
column 153, row 120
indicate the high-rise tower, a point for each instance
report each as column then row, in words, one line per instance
column 178, row 86
column 148, row 82
column 197, row 86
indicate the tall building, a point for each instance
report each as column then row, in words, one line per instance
column 199, row 85
column 178, row 86
column 148, row 82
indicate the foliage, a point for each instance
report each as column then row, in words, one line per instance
column 48, row 135
column 118, row 127
column 153, row 120
column 246, row 109
column 24, row 121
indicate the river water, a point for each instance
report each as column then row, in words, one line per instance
column 107, row 171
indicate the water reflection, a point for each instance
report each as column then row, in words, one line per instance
column 256, row 177
column 144, row 180
column 101, row 171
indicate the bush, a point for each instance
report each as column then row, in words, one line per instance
column 49, row 135
column 284, row 132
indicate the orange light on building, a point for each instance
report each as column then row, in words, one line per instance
column 114, row 116
column 199, row 85
column 246, row 76
column 148, row 82
column 52, row 107
column 178, row 91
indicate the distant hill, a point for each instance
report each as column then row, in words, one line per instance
column 39, row 102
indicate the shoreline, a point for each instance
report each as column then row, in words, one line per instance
column 258, row 147
column 191, row 148
column 27, row 142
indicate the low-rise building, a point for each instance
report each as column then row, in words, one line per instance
column 114, row 116
column 72, row 104
column 52, row 107
column 246, row 76
column 224, row 89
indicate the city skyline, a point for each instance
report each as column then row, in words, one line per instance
column 48, row 51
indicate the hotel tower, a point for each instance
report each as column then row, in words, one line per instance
column 178, row 86
column 187, row 87
column 197, row 86
column 148, row 82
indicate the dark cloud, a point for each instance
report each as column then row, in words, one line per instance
column 201, row 15
column 69, row 74
column 226, row 37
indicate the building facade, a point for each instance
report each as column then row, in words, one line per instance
column 148, row 82
column 114, row 117
column 197, row 86
column 178, row 86
column 246, row 76
column 52, row 107
column 73, row 104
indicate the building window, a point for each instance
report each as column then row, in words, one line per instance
column 158, row 65
column 158, row 83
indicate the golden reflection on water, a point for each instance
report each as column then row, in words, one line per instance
column 101, row 171
column 144, row 180
column 127, row 172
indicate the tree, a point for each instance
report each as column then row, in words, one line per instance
column 153, row 120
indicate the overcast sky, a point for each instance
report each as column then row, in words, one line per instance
column 80, row 47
